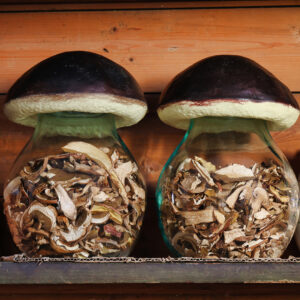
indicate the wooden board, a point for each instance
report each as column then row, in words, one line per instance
column 169, row 291
column 147, row 272
column 154, row 45
column 54, row 5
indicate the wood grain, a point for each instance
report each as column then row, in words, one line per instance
column 148, row 272
column 54, row 5
column 154, row 45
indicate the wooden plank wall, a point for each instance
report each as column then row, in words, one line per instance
column 153, row 44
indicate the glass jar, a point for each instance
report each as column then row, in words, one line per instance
column 75, row 189
column 227, row 191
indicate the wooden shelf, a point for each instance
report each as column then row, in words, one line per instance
column 149, row 271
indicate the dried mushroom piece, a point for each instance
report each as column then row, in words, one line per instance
column 45, row 215
column 66, row 203
column 235, row 211
column 99, row 157
column 234, row 173
column 84, row 202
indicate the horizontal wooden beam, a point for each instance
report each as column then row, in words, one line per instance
column 154, row 45
column 156, row 272
column 54, row 5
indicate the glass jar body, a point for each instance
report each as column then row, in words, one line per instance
column 227, row 192
column 75, row 190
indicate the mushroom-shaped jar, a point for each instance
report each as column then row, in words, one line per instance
column 75, row 190
column 227, row 191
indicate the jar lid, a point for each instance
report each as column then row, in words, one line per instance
column 76, row 81
column 227, row 86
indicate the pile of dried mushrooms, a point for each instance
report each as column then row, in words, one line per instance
column 84, row 202
column 230, row 212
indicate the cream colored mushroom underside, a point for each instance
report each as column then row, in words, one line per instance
column 279, row 116
column 24, row 110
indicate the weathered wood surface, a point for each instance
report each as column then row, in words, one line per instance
column 154, row 44
column 93, row 273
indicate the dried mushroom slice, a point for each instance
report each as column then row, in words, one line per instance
column 113, row 214
column 234, row 173
column 99, row 157
column 46, row 215
column 203, row 172
column 79, row 203
column 62, row 247
column 235, row 211
column 66, row 203
column 196, row 217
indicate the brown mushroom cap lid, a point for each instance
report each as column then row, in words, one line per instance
column 76, row 81
column 227, row 86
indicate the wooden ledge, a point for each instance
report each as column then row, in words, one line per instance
column 148, row 272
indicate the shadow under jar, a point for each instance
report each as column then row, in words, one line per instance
column 75, row 190
column 227, row 191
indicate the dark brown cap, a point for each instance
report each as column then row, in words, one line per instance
column 227, row 85
column 76, row 81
